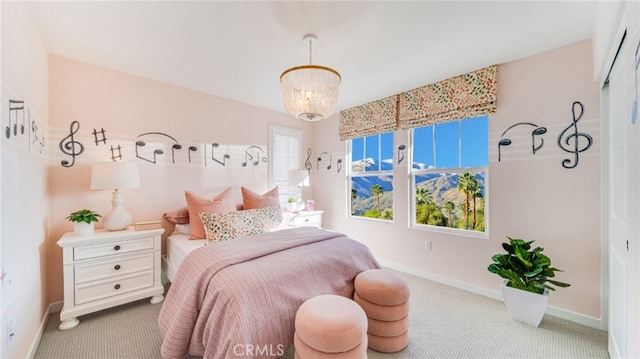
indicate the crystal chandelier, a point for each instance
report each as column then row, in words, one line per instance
column 310, row 92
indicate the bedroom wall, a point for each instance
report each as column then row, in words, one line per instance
column 24, row 207
column 530, row 196
column 132, row 109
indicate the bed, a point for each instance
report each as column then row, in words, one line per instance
column 238, row 298
column 177, row 246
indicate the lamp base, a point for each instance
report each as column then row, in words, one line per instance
column 118, row 219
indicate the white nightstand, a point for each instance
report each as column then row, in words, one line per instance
column 303, row 218
column 105, row 269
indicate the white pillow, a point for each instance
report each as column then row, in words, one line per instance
column 183, row 228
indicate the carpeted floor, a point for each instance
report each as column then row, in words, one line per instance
column 445, row 323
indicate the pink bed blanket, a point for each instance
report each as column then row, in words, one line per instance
column 238, row 299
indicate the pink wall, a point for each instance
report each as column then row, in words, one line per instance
column 530, row 196
column 127, row 106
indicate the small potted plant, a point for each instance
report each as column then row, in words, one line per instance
column 292, row 206
column 83, row 221
column 526, row 284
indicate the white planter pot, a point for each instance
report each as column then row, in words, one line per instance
column 525, row 307
column 83, row 228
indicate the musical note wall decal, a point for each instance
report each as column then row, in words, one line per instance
column 307, row 163
column 175, row 147
column 537, row 131
column 34, row 131
column 255, row 157
column 191, row 149
column 570, row 142
column 115, row 156
column 339, row 164
column 15, row 106
column 501, row 143
column 401, row 150
column 69, row 146
column 225, row 157
column 37, row 139
column 320, row 159
column 158, row 151
column 103, row 138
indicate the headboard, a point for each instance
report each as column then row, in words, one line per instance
column 168, row 229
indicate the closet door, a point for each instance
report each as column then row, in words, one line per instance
column 623, row 170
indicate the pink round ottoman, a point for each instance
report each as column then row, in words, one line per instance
column 384, row 296
column 330, row 326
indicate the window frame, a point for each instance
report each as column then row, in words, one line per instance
column 379, row 173
column 285, row 190
column 412, row 173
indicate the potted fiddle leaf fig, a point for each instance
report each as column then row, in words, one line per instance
column 527, row 282
column 83, row 221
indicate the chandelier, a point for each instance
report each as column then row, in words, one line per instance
column 310, row 92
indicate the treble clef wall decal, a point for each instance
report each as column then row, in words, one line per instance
column 564, row 142
column 307, row 163
column 69, row 146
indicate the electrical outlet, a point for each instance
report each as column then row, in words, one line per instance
column 427, row 245
column 10, row 332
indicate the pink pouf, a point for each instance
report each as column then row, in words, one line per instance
column 384, row 296
column 330, row 326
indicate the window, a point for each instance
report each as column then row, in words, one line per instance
column 284, row 149
column 449, row 175
column 371, row 176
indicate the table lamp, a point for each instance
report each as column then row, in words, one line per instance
column 115, row 175
column 299, row 178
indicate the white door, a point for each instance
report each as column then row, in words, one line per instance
column 623, row 168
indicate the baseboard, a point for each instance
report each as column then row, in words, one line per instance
column 494, row 294
column 53, row 307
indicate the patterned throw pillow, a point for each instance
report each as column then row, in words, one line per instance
column 225, row 226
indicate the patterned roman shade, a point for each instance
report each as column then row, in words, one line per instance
column 465, row 96
column 368, row 119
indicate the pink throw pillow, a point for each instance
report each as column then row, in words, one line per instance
column 222, row 203
column 252, row 200
column 179, row 216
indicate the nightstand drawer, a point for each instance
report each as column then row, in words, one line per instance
column 113, row 248
column 97, row 290
column 313, row 220
column 116, row 267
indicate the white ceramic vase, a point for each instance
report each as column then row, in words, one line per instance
column 83, row 228
column 526, row 307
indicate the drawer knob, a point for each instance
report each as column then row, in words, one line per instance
column 117, row 286
column 117, row 267
column 117, row 248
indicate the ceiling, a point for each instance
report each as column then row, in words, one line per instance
column 238, row 49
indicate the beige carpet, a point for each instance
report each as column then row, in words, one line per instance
column 445, row 323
